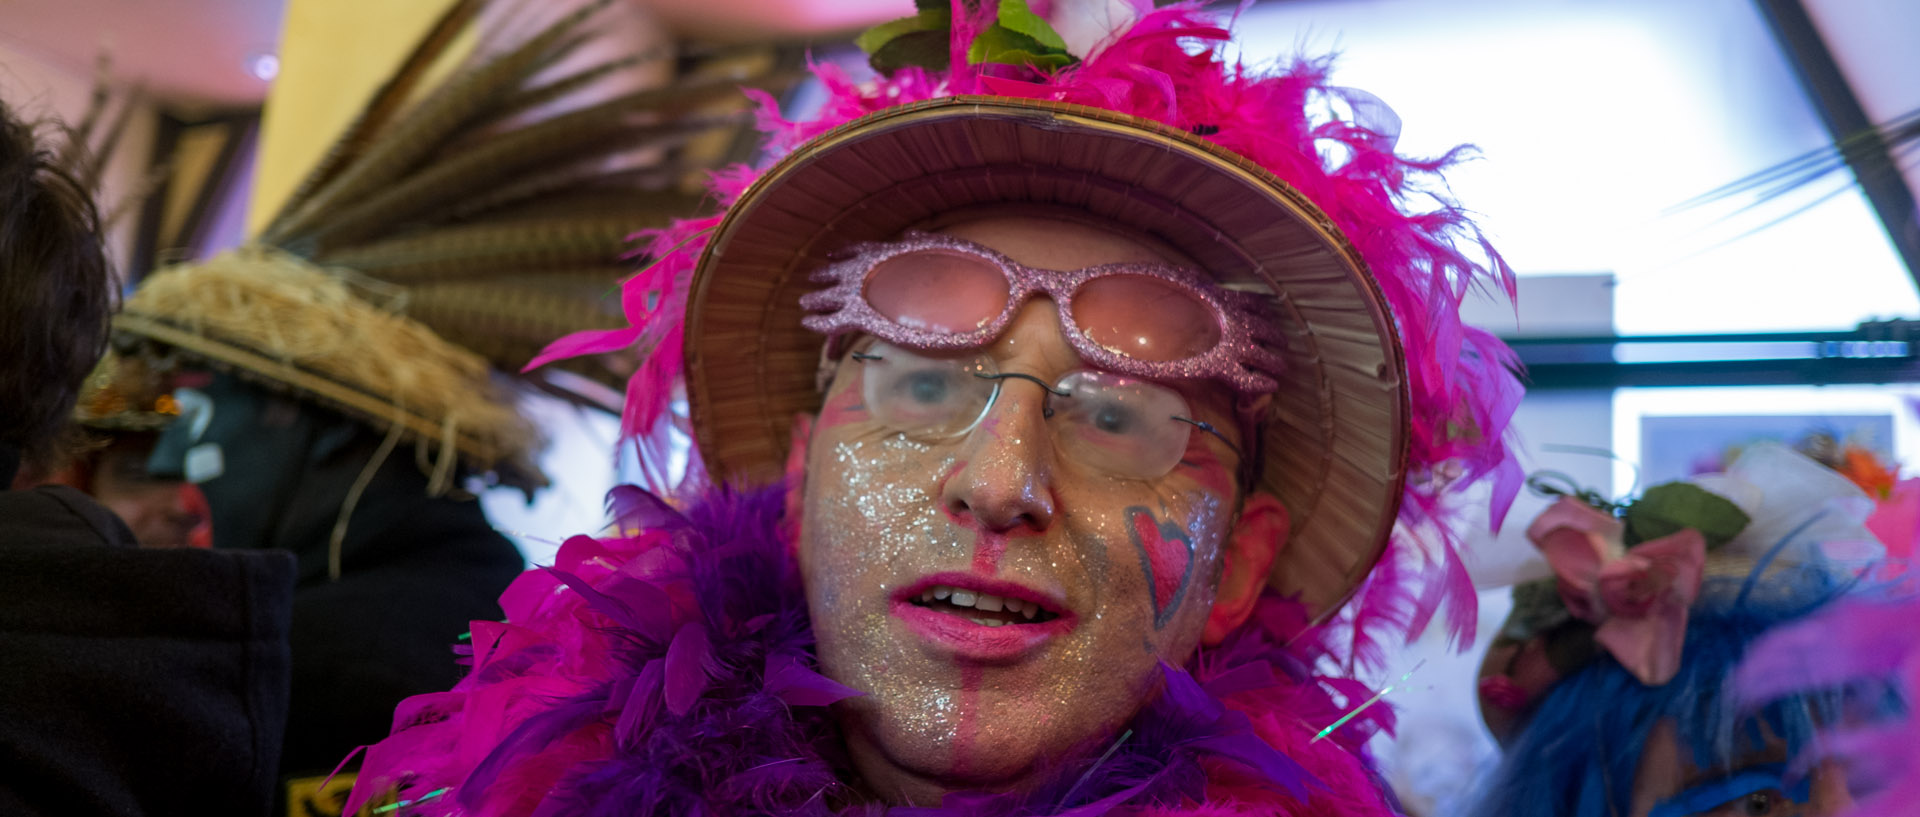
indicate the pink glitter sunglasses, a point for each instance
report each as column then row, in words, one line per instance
column 1153, row 321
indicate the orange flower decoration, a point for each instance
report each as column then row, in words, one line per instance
column 1862, row 468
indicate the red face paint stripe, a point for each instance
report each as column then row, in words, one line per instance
column 967, row 718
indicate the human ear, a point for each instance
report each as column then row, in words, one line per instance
column 1257, row 537
column 796, row 477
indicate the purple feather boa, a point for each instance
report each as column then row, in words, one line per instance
column 669, row 671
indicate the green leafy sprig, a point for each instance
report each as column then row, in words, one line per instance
column 1663, row 510
column 1018, row 37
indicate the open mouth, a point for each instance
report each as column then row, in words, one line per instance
column 982, row 608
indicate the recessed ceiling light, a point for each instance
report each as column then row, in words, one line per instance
column 264, row 66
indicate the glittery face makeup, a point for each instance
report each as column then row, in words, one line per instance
column 1003, row 602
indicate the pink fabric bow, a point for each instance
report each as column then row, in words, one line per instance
column 1638, row 597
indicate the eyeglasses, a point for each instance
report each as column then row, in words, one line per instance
column 1147, row 321
column 1111, row 423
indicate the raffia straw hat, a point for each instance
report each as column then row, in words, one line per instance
column 479, row 205
column 1335, row 444
column 1271, row 178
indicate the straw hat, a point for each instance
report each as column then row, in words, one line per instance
column 1273, row 179
column 464, row 219
column 1336, row 437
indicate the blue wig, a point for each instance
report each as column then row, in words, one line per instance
column 1580, row 750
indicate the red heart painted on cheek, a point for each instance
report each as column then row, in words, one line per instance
column 1166, row 554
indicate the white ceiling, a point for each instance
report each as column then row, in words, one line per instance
column 198, row 52
column 187, row 52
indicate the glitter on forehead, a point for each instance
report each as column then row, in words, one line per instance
column 1246, row 358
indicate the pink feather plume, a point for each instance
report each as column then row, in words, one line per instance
column 1851, row 642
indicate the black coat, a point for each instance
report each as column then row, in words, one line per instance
column 415, row 571
column 135, row 681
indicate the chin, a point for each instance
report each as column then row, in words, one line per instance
column 1014, row 739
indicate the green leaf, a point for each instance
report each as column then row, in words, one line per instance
column 1667, row 509
column 1004, row 46
column 921, row 49
column 943, row 6
column 876, row 38
column 1015, row 15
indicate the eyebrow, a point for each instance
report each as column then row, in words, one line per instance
column 1712, row 794
column 1761, row 757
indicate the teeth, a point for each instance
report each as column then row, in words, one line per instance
column 984, row 602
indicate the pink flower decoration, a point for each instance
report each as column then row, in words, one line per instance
column 1638, row 597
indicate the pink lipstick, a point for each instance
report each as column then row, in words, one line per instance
column 973, row 618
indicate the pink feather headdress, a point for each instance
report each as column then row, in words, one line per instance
column 1328, row 143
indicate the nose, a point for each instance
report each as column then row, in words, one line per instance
column 1830, row 793
column 1005, row 480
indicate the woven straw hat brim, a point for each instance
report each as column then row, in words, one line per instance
column 1336, row 436
column 271, row 318
column 513, row 467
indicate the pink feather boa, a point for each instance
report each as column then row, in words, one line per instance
column 1167, row 67
column 669, row 671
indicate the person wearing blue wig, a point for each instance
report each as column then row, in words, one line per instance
column 1607, row 686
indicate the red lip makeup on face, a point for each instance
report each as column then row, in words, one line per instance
column 976, row 619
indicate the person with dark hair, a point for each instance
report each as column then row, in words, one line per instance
column 55, row 297
column 137, row 681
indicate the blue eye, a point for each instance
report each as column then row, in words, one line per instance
column 1114, row 419
column 927, row 387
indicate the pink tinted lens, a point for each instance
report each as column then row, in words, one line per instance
column 937, row 290
column 1145, row 318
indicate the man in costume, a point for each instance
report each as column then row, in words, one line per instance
column 136, row 681
column 337, row 379
column 1610, row 684
column 122, row 413
column 1091, row 387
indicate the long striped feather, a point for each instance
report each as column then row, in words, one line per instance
column 602, row 128
column 422, row 130
column 385, row 103
column 454, row 252
column 578, row 180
